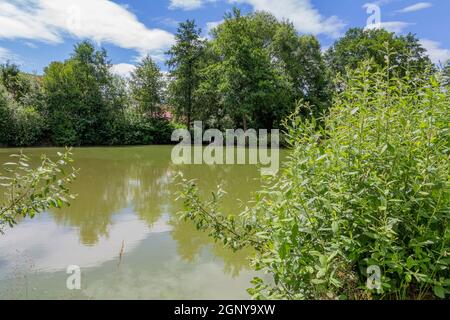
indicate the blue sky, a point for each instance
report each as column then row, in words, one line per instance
column 35, row 32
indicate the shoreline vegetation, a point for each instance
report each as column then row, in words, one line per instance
column 250, row 73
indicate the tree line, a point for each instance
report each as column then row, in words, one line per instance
column 249, row 73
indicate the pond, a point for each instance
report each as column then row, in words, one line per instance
column 123, row 232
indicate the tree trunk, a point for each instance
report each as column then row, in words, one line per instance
column 188, row 120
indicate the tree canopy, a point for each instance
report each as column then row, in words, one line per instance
column 249, row 72
column 258, row 67
column 359, row 45
column 184, row 60
column 146, row 86
column 80, row 101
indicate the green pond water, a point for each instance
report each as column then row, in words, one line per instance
column 126, row 202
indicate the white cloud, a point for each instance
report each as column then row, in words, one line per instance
column 436, row 53
column 392, row 26
column 301, row 13
column 374, row 21
column 211, row 25
column 416, row 7
column 102, row 21
column 6, row 55
column 123, row 69
column 168, row 22
column 188, row 4
column 30, row 44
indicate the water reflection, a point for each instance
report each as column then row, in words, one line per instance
column 126, row 195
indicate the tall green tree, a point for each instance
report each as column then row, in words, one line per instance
column 184, row 60
column 359, row 45
column 146, row 87
column 303, row 63
column 25, row 88
column 260, row 67
column 252, row 89
column 82, row 100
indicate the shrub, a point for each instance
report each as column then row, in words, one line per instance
column 28, row 191
column 5, row 117
column 28, row 126
column 142, row 130
column 21, row 123
column 367, row 187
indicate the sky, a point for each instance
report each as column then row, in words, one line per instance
column 34, row 33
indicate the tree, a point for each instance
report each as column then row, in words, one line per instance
column 6, row 117
column 21, row 105
column 251, row 87
column 10, row 77
column 446, row 74
column 81, row 98
column 28, row 191
column 304, row 64
column 260, row 67
column 359, row 45
column 183, row 63
column 367, row 190
column 146, row 87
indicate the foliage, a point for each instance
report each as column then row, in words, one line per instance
column 303, row 62
column 79, row 102
column 28, row 191
column 250, row 72
column 258, row 67
column 6, row 135
column 248, row 83
column 360, row 45
column 146, row 87
column 20, row 97
column 144, row 130
column 369, row 187
column 446, row 74
column 184, row 59
column 82, row 99
column 10, row 78
column 28, row 128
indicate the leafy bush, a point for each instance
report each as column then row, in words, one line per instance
column 21, row 122
column 28, row 126
column 141, row 130
column 28, row 191
column 5, row 117
column 367, row 187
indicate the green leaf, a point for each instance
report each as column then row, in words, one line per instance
column 439, row 292
column 335, row 226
